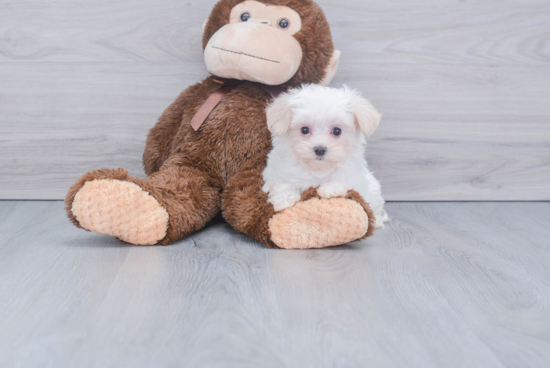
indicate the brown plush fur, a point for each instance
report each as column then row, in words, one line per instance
column 196, row 174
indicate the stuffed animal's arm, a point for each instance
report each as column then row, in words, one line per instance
column 159, row 140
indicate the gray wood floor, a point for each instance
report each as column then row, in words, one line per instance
column 463, row 86
column 444, row 285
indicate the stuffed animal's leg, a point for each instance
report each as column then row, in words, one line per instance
column 160, row 209
column 245, row 206
column 314, row 222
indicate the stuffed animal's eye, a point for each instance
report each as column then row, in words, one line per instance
column 245, row 17
column 336, row 131
column 284, row 23
column 305, row 130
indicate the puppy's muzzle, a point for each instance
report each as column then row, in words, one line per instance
column 320, row 151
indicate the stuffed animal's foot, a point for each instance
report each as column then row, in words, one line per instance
column 121, row 209
column 320, row 223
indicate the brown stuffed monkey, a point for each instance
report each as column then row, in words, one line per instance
column 208, row 150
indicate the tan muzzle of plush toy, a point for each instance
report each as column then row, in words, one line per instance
column 239, row 51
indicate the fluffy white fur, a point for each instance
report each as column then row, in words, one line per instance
column 294, row 166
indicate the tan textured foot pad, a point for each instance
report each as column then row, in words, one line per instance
column 121, row 209
column 319, row 223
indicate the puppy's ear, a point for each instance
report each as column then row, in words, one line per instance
column 279, row 115
column 366, row 116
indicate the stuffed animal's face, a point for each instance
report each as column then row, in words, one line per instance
column 271, row 42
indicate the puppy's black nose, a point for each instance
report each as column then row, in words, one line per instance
column 320, row 151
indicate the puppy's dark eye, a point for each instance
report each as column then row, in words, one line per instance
column 336, row 131
column 284, row 24
column 245, row 17
column 305, row 130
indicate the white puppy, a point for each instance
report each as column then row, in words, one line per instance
column 318, row 141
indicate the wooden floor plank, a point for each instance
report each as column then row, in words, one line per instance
column 444, row 284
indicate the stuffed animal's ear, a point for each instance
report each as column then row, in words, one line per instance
column 279, row 115
column 332, row 68
column 366, row 116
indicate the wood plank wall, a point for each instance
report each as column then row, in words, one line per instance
column 464, row 87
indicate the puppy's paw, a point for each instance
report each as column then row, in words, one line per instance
column 283, row 196
column 380, row 218
column 330, row 190
column 267, row 187
column 283, row 201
